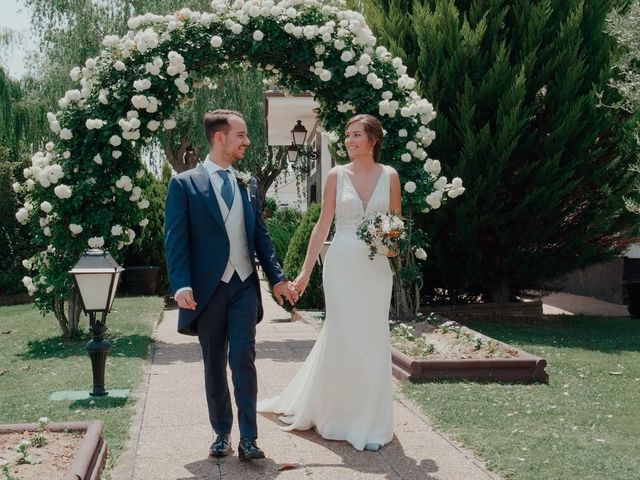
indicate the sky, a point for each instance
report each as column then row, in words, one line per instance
column 15, row 16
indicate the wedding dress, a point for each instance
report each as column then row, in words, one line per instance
column 344, row 388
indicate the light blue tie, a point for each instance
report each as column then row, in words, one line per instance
column 226, row 191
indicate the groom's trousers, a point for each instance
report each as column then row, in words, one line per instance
column 227, row 332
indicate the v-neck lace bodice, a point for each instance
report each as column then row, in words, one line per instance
column 350, row 208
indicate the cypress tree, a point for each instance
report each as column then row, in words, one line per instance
column 516, row 86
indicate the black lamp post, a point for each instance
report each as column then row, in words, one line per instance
column 96, row 277
column 297, row 147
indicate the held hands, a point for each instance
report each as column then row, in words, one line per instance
column 185, row 300
column 301, row 282
column 286, row 290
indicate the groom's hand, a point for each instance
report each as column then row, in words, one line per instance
column 185, row 300
column 286, row 290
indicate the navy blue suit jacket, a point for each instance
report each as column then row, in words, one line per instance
column 197, row 245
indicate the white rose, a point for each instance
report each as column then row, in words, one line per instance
column 26, row 264
column 169, row 124
column 144, row 222
column 75, row 229
column 216, row 41
column 456, row 182
column 420, row 254
column 116, row 230
column 434, row 201
column 115, row 140
column 96, row 242
column 153, row 125
column 116, row 154
column 410, row 187
column 66, row 154
column 46, row 231
column 119, row 66
column 325, row 75
column 455, row 192
column 402, row 133
column 66, row 134
column 258, row 35
column 143, row 204
column 406, row 157
column 62, row 191
column 440, row 184
column 46, row 207
column 22, row 215
column 346, row 56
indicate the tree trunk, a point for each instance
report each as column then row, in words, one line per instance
column 182, row 158
column 266, row 175
column 67, row 313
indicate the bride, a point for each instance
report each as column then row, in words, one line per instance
column 344, row 388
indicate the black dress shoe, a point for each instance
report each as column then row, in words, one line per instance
column 221, row 447
column 248, row 450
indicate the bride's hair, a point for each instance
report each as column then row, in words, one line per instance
column 374, row 130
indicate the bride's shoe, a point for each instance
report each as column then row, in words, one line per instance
column 372, row 447
column 286, row 419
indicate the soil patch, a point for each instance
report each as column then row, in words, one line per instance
column 55, row 457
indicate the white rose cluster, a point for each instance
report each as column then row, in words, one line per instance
column 176, row 63
column 146, row 40
column 130, row 126
column 125, row 183
column 154, row 67
column 94, row 123
column 43, row 171
column 69, row 97
column 96, row 242
column 62, row 191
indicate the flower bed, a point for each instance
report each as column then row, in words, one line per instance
column 435, row 350
column 69, row 450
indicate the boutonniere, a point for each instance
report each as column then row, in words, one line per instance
column 244, row 179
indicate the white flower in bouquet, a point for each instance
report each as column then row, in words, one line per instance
column 62, row 191
column 96, row 242
column 381, row 232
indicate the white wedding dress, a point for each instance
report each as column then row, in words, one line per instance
column 344, row 388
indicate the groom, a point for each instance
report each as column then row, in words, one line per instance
column 213, row 230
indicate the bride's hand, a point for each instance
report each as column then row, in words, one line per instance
column 301, row 282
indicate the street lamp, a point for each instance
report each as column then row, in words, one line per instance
column 96, row 278
column 298, row 147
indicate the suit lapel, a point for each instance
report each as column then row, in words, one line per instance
column 202, row 182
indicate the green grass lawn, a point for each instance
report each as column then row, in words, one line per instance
column 583, row 425
column 35, row 361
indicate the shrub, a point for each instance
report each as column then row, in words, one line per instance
column 281, row 228
column 313, row 297
column 148, row 247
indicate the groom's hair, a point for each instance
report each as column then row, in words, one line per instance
column 218, row 121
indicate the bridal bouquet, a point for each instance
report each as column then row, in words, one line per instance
column 381, row 232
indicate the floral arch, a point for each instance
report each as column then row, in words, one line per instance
column 81, row 190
